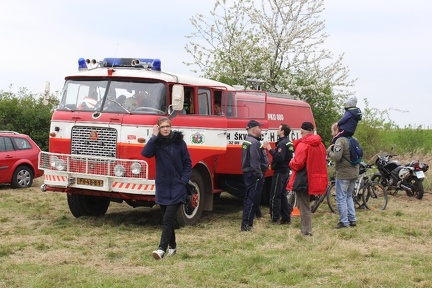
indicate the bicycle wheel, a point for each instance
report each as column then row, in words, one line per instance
column 358, row 199
column 375, row 196
column 316, row 202
column 331, row 197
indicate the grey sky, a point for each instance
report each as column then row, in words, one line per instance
column 386, row 43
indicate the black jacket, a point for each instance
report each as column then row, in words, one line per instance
column 282, row 155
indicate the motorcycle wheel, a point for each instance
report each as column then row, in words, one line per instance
column 416, row 187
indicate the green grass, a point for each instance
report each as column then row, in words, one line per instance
column 43, row 245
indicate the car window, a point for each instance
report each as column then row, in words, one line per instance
column 6, row 144
column 2, row 144
column 21, row 143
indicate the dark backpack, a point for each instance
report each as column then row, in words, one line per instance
column 356, row 152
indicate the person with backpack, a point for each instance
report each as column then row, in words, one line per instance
column 346, row 176
column 280, row 209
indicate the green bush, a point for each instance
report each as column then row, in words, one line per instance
column 26, row 113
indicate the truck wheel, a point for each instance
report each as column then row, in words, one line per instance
column 95, row 205
column 85, row 205
column 22, row 177
column 188, row 215
column 75, row 205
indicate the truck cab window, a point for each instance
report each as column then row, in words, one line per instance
column 204, row 103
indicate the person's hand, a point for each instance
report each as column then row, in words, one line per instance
column 156, row 130
column 266, row 145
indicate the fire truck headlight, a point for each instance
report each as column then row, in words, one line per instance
column 136, row 168
column 57, row 163
column 60, row 165
column 119, row 170
column 53, row 160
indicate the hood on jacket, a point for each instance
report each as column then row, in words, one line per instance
column 174, row 136
column 311, row 139
column 355, row 112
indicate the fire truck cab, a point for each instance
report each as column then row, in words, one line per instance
column 106, row 115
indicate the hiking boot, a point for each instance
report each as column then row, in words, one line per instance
column 341, row 225
column 353, row 223
column 158, row 254
column 171, row 252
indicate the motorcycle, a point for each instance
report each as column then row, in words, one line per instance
column 395, row 176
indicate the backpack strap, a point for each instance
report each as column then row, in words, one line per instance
column 349, row 138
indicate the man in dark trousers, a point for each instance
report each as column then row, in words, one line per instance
column 280, row 209
column 254, row 166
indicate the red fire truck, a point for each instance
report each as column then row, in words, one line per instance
column 106, row 115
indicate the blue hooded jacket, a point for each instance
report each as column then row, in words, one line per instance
column 349, row 120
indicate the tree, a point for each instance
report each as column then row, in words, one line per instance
column 26, row 113
column 278, row 41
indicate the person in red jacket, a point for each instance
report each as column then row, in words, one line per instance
column 309, row 173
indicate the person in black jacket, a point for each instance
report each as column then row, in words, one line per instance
column 280, row 209
column 254, row 166
column 173, row 170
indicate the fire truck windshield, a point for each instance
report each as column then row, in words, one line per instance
column 114, row 97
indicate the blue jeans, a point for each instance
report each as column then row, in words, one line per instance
column 345, row 203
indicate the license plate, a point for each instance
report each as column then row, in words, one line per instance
column 419, row 174
column 89, row 182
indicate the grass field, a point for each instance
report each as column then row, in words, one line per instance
column 43, row 245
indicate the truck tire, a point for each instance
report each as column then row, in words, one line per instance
column 188, row 215
column 95, row 205
column 85, row 205
column 75, row 205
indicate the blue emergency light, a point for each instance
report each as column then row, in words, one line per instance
column 82, row 64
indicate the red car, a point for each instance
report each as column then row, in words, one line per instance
column 18, row 159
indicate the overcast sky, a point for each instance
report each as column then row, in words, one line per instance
column 387, row 44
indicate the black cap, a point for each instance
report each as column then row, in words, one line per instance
column 307, row 126
column 253, row 123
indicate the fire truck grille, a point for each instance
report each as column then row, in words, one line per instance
column 94, row 141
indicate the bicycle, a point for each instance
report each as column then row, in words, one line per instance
column 316, row 200
column 367, row 193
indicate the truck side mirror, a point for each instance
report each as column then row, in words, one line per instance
column 177, row 98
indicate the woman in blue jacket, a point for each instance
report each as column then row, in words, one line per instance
column 173, row 170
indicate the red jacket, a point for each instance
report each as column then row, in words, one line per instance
column 309, row 166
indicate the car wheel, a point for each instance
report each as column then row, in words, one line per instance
column 22, row 177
